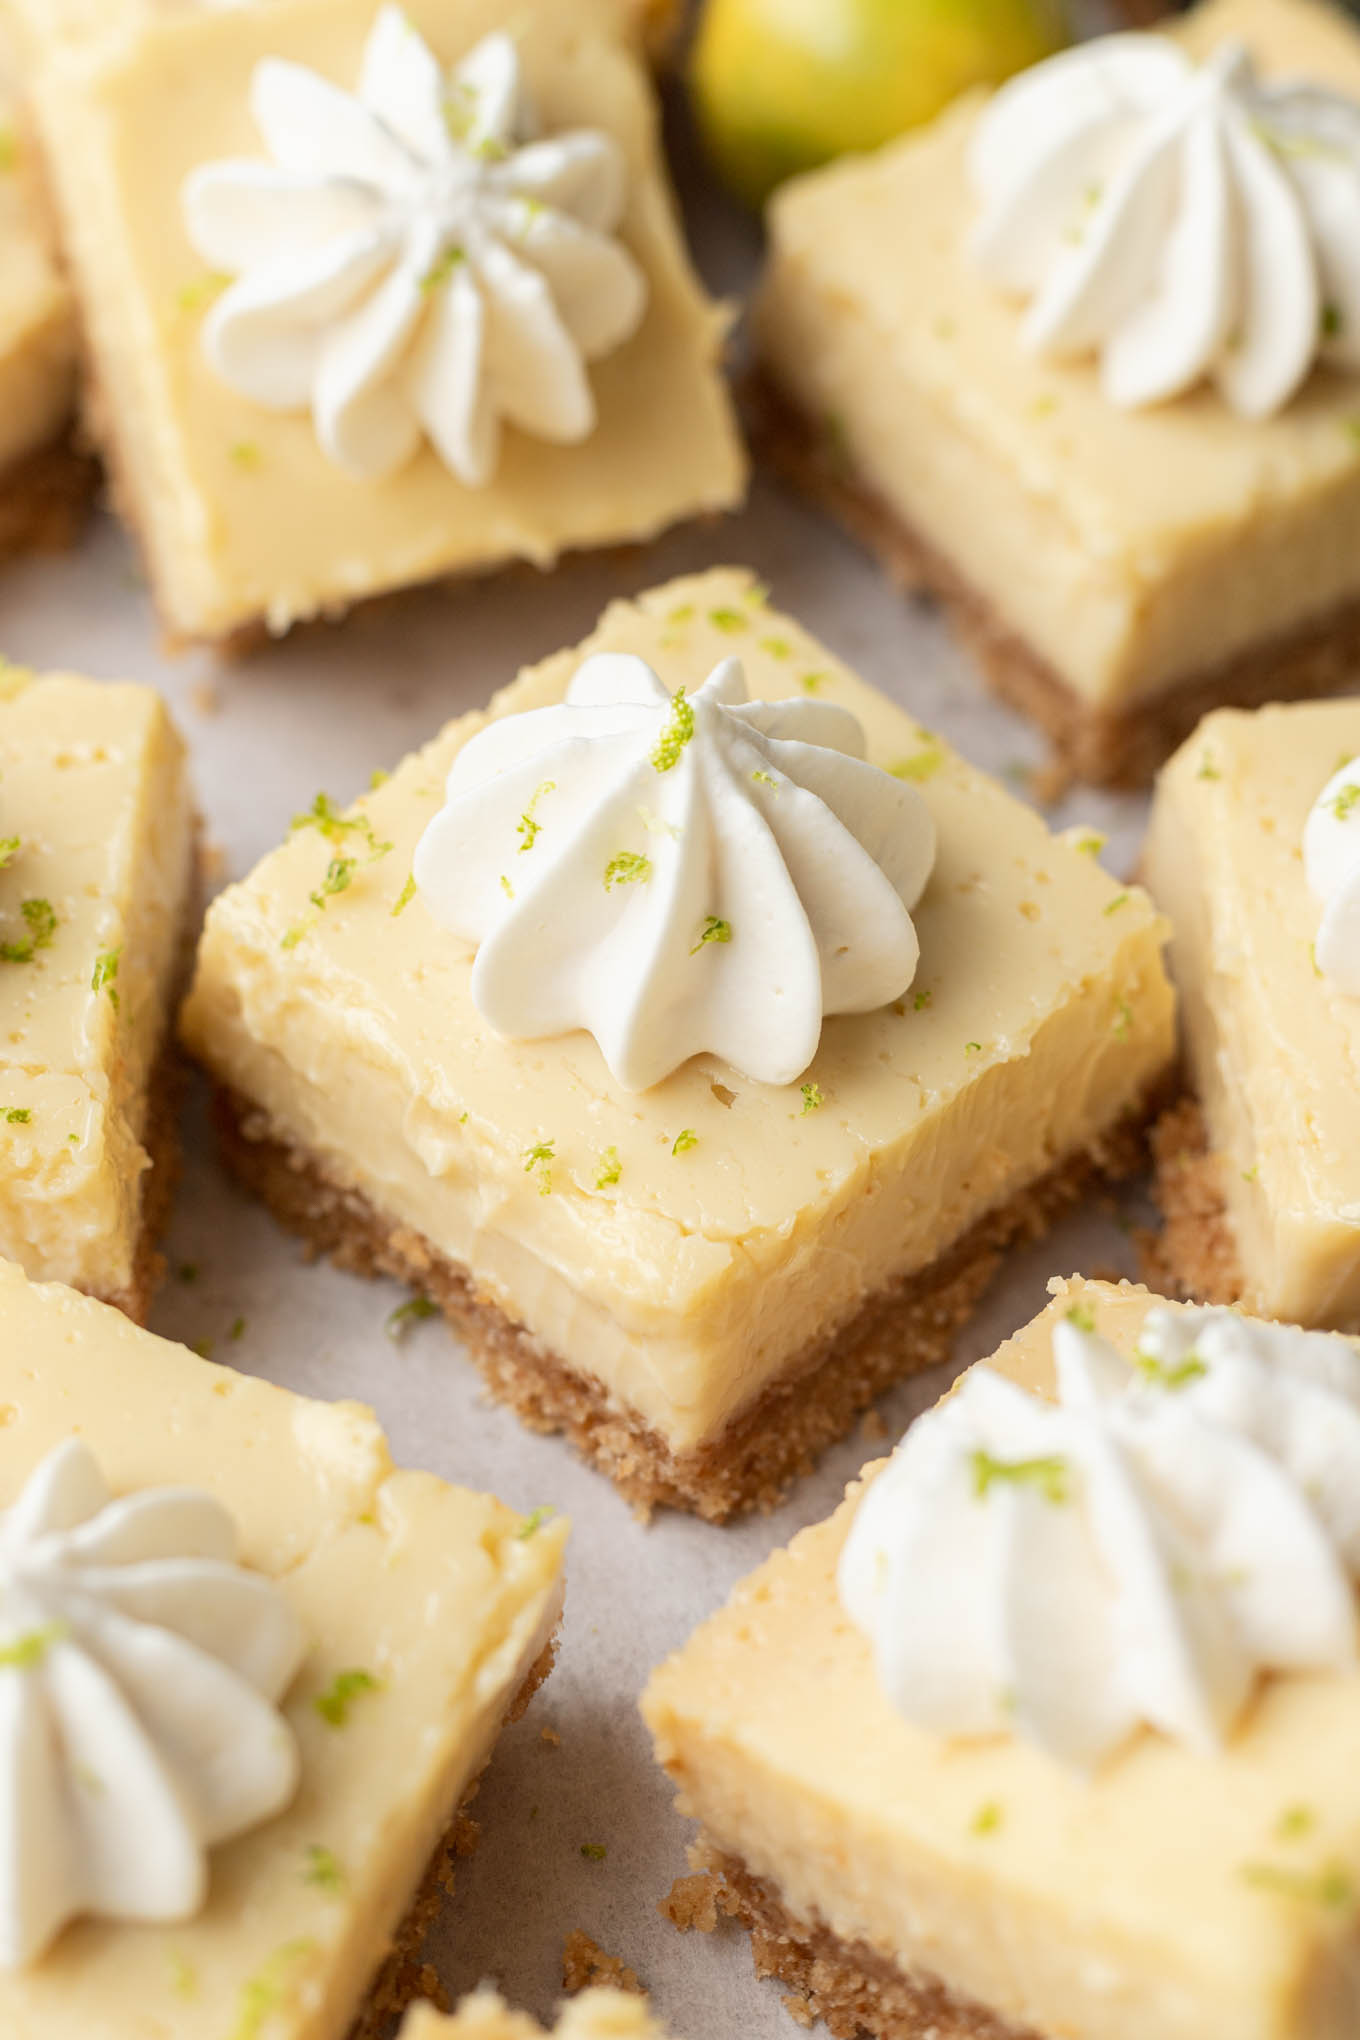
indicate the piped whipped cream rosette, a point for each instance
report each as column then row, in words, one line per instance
column 1331, row 862
column 140, row 1667
column 1138, row 1554
column 678, row 874
column 411, row 262
column 1183, row 222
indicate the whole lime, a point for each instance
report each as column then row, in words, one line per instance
column 781, row 85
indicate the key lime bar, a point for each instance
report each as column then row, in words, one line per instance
column 595, row 2015
column 44, row 485
column 704, row 1282
column 426, row 1615
column 251, row 521
column 1259, row 1167
column 98, row 912
column 921, row 1885
column 1117, row 572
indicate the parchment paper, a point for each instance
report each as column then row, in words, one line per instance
column 322, row 710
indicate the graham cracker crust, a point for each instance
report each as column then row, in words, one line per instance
column 908, row 1326
column 45, row 499
column 1194, row 1257
column 1117, row 747
column 404, row 1976
column 847, row 1984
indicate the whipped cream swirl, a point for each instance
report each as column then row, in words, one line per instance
column 411, row 264
column 1136, row 1555
column 1331, row 862
column 1182, row 222
column 678, row 874
column 139, row 1671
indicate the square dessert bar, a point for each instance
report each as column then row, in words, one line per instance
column 244, row 520
column 425, row 1615
column 44, row 484
column 98, row 913
column 702, row 1283
column 595, row 2015
column 1118, row 573
column 919, row 1886
column 1259, row 1170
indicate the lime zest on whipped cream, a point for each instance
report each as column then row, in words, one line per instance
column 675, row 734
column 25, row 1652
column 1170, row 1374
column 630, row 867
column 527, row 828
column 1049, row 1475
column 714, row 930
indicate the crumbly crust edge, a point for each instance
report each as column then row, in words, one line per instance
column 905, row 1327
column 1122, row 747
column 846, row 1984
column 1195, row 1256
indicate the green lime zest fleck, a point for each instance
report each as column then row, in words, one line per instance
column 682, row 613
column 442, row 268
column 238, row 1330
column 339, row 878
column 534, row 1522
column 813, row 683
column 540, row 1157
column 506, row 887
column 1049, row 1476
column 9, row 848
column 594, row 1852
column 245, row 454
column 268, row 1990
column 1330, row 321
column 1091, row 844
column 335, row 1704
column 1345, row 803
column 925, row 763
column 1332, row 1886
column 413, row 1312
column 1294, row 1823
column 972, row 1048
column 715, row 930
column 324, row 1869
column 686, row 1139
column 40, row 920
column 1170, row 1375
column 1207, row 768
column 812, row 1098
column 527, row 828
column 676, row 733
column 201, row 291
column 988, row 1818
column 104, row 976
column 337, row 827
column 729, row 620
column 405, row 896
column 1120, row 899
column 921, row 1001
column 1082, row 1316
column 776, row 647
column 630, row 867
column 611, row 1168
column 765, row 779
column 17, row 1115
column 1122, row 1024
column 377, row 777
column 24, row 1653
column 183, row 1976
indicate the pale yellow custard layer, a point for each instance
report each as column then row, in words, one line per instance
column 97, row 820
column 595, row 2015
column 1273, row 1049
column 1040, row 1015
column 434, row 1591
column 1119, row 1906
column 1130, row 550
column 241, row 515
column 37, row 318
